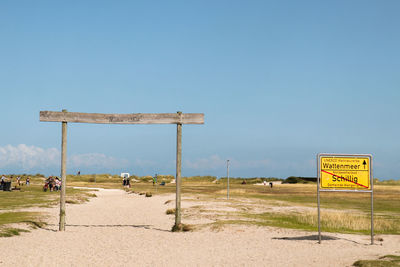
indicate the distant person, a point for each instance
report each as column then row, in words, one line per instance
column 28, row 181
column 18, row 181
column 124, row 181
column 51, row 183
column 59, row 184
column 46, row 185
column 2, row 181
column 265, row 182
column 270, row 184
column 79, row 173
column 128, row 182
column 56, row 184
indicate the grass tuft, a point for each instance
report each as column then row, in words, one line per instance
column 9, row 232
column 36, row 224
column 170, row 211
column 385, row 261
column 182, row 228
column 187, row 228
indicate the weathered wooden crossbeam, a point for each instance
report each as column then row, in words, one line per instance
column 134, row 118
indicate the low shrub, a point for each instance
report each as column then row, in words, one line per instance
column 299, row 180
column 182, row 228
column 170, row 211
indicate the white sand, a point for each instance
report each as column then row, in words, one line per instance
column 121, row 229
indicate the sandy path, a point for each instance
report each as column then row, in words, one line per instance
column 120, row 229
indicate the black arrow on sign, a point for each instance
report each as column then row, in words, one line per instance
column 364, row 163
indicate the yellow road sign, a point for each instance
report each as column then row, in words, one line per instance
column 345, row 172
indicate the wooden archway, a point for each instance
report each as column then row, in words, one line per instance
column 178, row 118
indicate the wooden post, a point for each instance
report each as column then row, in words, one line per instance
column 178, row 181
column 63, row 174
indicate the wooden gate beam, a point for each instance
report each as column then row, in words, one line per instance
column 134, row 118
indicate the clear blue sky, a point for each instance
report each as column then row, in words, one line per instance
column 278, row 82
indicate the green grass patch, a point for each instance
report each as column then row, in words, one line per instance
column 28, row 196
column 18, row 217
column 385, row 261
column 332, row 221
column 8, row 232
column 386, row 199
column 33, row 219
column 253, row 180
column 34, row 196
column 280, row 220
column 199, row 179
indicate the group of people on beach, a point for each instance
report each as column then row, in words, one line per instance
column 4, row 179
column 126, row 181
column 27, row 181
column 52, row 183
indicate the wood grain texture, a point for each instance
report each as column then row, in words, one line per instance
column 61, row 226
column 134, row 118
column 178, row 179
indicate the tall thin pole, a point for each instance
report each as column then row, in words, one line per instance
column 372, row 201
column 178, row 174
column 227, row 175
column 156, row 182
column 319, row 216
column 63, row 174
column 372, row 217
column 318, row 201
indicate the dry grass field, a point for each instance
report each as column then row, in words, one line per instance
column 206, row 209
column 283, row 205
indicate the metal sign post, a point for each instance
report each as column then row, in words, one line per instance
column 345, row 173
column 227, row 175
